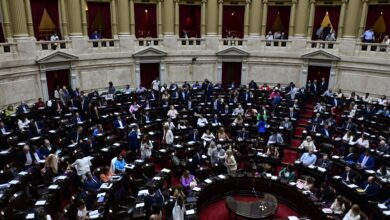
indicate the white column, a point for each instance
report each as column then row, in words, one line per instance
column 219, row 70
column 163, row 73
column 332, row 76
column 137, row 73
column 44, row 88
column 303, row 76
column 74, row 83
column 244, row 72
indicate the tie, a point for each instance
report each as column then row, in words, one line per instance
column 347, row 179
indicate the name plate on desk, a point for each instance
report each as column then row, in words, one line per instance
column 190, row 212
column 40, row 202
column 197, row 189
column 222, row 176
column 352, row 186
column 30, row 216
column 106, row 186
column 130, row 166
column 53, row 187
column 165, row 170
column 322, row 170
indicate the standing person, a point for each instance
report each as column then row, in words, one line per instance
column 54, row 38
column 132, row 139
column 156, row 85
column 82, row 165
column 146, row 148
column 179, row 209
column 167, row 135
column 111, row 88
column 230, row 162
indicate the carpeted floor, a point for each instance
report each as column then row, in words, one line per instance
column 289, row 155
column 218, row 210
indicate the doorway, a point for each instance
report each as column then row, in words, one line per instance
column 57, row 78
column 149, row 72
column 317, row 73
column 231, row 71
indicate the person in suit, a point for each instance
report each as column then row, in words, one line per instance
column 26, row 158
column 314, row 87
column 317, row 119
column 313, row 128
column 215, row 120
column 153, row 202
column 366, row 161
column 88, row 146
column 324, row 162
column 22, row 108
column 78, row 119
column 368, row 111
column 147, row 118
column 253, row 85
column 371, row 188
column 45, row 149
column 292, row 113
column 119, row 123
column 243, row 134
column 349, row 176
column 383, row 147
column 326, row 132
column 193, row 135
column 197, row 160
column 34, row 129
column 286, row 124
column 3, row 129
column 132, row 139
column 275, row 138
column 247, row 96
column 225, row 110
column 323, row 86
column 349, row 125
column 189, row 104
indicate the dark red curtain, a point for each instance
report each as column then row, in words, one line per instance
column 99, row 18
column 233, row 21
column 189, row 20
column 2, row 38
column 145, row 20
column 149, row 72
column 231, row 71
column 374, row 11
column 281, row 13
column 54, row 78
column 37, row 9
column 320, row 12
column 318, row 72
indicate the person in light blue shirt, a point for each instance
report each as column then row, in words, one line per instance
column 308, row 158
column 368, row 36
column 120, row 164
column 98, row 130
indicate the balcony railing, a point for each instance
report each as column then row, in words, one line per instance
column 373, row 47
column 277, row 43
column 53, row 45
column 103, row 43
column 191, row 41
column 233, row 42
column 148, row 42
column 320, row 44
column 7, row 48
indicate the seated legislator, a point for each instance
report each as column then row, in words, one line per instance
column 366, row 161
column 188, row 181
column 308, row 158
column 287, row 174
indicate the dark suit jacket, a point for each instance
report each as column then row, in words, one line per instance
column 372, row 190
column 370, row 164
column 21, row 159
column 116, row 123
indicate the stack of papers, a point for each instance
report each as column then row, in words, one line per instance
column 53, row 187
column 382, row 206
column 139, row 205
column 221, row 176
column 327, row 210
column 196, row 189
column 352, row 186
column 165, row 170
column 208, row 181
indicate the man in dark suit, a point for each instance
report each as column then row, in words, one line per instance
column 349, row 125
column 323, row 86
column 3, row 129
column 371, row 188
column 324, row 162
column 286, row 124
column 82, row 104
column 292, row 113
column 153, row 95
column 313, row 128
column 326, row 132
column 366, row 161
column 78, row 119
column 88, row 146
column 25, row 159
column 183, row 95
column 193, row 135
column 119, row 123
column 146, row 118
column 348, row 176
column 314, row 88
column 132, row 139
column 242, row 134
column 335, row 101
column 225, row 110
column 247, row 96
column 368, row 111
column 197, row 160
column 22, row 108
column 215, row 119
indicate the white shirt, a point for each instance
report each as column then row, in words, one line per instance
column 361, row 142
column 238, row 111
column 172, row 113
column 169, row 137
column 177, row 212
column 82, row 166
column 156, row 85
column 208, row 137
column 23, row 124
column 54, row 38
column 202, row 122
column 146, row 150
column 349, row 216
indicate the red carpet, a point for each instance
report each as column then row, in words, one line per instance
column 218, row 210
column 289, row 155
